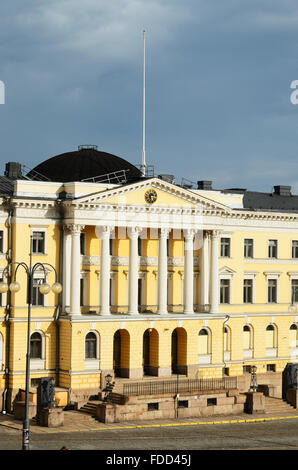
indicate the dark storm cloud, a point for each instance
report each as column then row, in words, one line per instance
column 218, row 85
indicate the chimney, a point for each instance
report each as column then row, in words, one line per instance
column 13, row 170
column 282, row 190
column 206, row 185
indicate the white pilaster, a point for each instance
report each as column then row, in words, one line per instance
column 214, row 272
column 162, row 271
column 133, row 233
column 188, row 270
column 66, row 268
column 105, row 268
column 75, row 308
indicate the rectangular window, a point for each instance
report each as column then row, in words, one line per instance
column 182, row 403
column 294, row 248
column 248, row 248
column 38, row 242
column 37, row 296
column 82, row 291
column 152, row 406
column 225, row 247
column 247, row 291
column 211, row 401
column 1, row 241
column 82, row 244
column 246, row 369
column 140, row 246
column 294, row 291
column 225, row 291
column 272, row 249
column 270, row 367
column 272, row 290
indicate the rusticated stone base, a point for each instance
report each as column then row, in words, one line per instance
column 255, row 402
column 183, row 406
column 19, row 410
column 51, row 417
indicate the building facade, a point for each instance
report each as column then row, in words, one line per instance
column 158, row 280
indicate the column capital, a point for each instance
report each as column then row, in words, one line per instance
column 134, row 232
column 215, row 233
column 103, row 231
column 189, row 233
column 74, row 228
column 164, row 232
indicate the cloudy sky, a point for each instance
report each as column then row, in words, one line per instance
column 218, row 85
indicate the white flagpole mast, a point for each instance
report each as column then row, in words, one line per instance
column 143, row 166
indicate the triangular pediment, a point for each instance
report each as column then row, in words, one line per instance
column 226, row 270
column 166, row 194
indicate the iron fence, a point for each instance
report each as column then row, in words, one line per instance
column 163, row 387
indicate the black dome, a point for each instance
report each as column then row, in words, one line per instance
column 86, row 162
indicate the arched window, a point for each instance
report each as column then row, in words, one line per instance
column 293, row 335
column 271, row 341
column 1, row 351
column 91, row 346
column 204, row 342
column 227, row 339
column 247, row 337
column 36, row 346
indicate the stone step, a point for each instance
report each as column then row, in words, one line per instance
column 277, row 405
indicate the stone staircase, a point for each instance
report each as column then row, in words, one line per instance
column 90, row 407
column 278, row 406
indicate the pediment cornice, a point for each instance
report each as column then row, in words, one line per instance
column 96, row 200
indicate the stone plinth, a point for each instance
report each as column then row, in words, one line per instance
column 255, row 402
column 51, row 417
column 292, row 396
column 19, row 410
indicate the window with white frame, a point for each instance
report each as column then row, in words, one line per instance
column 204, row 346
column 294, row 248
column 225, row 247
column 91, row 346
column 247, row 342
column 248, row 248
column 38, row 299
column 272, row 248
column 272, row 291
column 38, row 242
column 248, row 291
column 293, row 336
column 36, row 346
column 270, row 339
column 225, row 287
column 294, row 291
column 92, row 350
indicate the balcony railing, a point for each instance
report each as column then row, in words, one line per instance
column 178, row 386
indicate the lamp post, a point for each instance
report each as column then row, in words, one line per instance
column 253, row 384
column 44, row 289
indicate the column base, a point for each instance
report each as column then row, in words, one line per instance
column 188, row 312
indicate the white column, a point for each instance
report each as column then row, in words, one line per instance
column 214, row 272
column 162, row 272
column 133, row 276
column 105, row 268
column 204, row 270
column 188, row 270
column 75, row 308
column 66, row 268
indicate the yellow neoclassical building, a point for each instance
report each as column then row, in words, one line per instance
column 159, row 279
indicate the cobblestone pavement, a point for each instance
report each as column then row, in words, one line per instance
column 80, row 422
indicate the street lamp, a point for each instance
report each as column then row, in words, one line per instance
column 44, row 289
column 253, row 383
